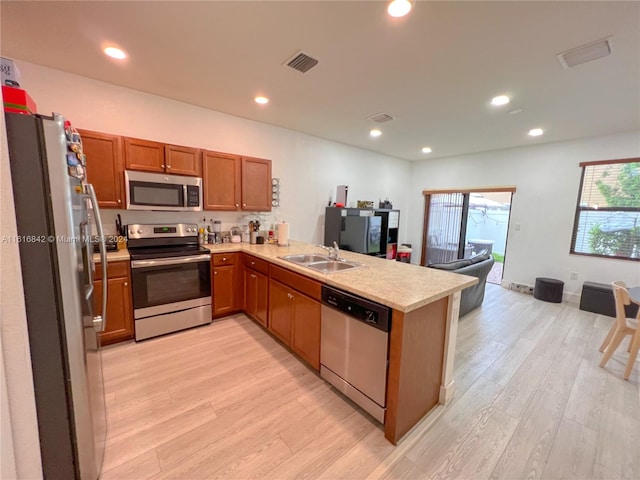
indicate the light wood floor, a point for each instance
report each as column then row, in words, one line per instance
column 228, row 401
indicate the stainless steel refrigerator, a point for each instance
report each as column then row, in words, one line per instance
column 53, row 209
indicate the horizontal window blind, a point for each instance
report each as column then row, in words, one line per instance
column 607, row 221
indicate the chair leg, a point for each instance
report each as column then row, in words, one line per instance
column 633, row 353
column 615, row 343
column 607, row 339
column 630, row 344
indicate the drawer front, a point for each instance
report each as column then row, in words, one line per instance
column 298, row 282
column 224, row 259
column 114, row 269
column 255, row 263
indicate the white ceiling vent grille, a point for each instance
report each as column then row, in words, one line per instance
column 381, row 117
column 586, row 53
column 301, row 62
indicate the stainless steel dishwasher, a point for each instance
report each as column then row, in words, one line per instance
column 354, row 347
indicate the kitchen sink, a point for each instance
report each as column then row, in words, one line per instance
column 305, row 258
column 320, row 263
column 331, row 266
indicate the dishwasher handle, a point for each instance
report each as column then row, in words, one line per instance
column 362, row 309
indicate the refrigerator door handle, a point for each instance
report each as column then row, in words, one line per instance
column 101, row 320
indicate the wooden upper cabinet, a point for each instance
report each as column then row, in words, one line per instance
column 182, row 160
column 144, row 155
column 104, row 167
column 221, row 178
column 256, row 184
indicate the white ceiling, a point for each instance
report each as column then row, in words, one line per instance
column 435, row 70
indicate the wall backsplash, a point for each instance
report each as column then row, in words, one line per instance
column 228, row 219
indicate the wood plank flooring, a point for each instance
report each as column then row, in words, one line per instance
column 228, row 401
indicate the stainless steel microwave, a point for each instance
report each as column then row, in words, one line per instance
column 157, row 191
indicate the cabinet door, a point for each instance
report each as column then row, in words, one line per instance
column 250, row 293
column 262, row 298
column 104, row 167
column 221, row 178
column 119, row 315
column 305, row 339
column 223, row 289
column 182, row 160
column 280, row 311
column 256, row 184
column 143, row 155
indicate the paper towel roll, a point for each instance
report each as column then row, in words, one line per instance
column 283, row 234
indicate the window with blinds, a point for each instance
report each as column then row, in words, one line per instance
column 607, row 221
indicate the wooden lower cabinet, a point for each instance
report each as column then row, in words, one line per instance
column 305, row 332
column 119, row 306
column 280, row 311
column 226, row 284
column 295, row 319
column 256, row 286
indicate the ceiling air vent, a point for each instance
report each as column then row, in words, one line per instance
column 381, row 117
column 586, row 53
column 301, row 62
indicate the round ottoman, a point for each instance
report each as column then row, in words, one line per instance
column 548, row 289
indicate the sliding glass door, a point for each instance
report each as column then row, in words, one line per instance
column 461, row 224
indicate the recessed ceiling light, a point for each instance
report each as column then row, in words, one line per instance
column 500, row 100
column 115, row 52
column 399, row 8
column 375, row 133
column 261, row 100
column 426, row 149
column 536, row 132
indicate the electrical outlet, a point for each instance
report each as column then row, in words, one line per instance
column 574, row 275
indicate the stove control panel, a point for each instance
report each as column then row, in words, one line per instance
column 180, row 230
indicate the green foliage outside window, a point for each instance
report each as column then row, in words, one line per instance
column 624, row 192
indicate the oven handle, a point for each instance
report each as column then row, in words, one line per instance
column 169, row 261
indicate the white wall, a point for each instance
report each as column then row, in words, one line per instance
column 309, row 168
column 547, row 178
column 19, row 441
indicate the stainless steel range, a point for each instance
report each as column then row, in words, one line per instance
column 171, row 278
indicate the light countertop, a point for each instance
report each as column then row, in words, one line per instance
column 401, row 286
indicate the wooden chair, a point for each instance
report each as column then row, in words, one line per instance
column 620, row 329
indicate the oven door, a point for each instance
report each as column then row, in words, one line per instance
column 166, row 285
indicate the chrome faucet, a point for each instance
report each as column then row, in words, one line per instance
column 334, row 252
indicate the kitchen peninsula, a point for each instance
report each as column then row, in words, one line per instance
column 424, row 302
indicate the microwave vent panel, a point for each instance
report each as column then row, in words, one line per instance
column 301, row 62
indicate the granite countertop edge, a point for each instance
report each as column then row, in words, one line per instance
column 401, row 286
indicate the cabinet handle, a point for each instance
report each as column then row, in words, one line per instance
column 253, row 263
column 215, row 273
column 224, row 259
column 126, row 284
column 253, row 275
column 163, row 165
column 244, row 204
column 119, row 201
column 236, row 205
column 168, row 166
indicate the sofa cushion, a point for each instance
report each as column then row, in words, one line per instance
column 455, row 265
column 481, row 257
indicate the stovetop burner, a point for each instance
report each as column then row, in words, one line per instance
column 163, row 241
